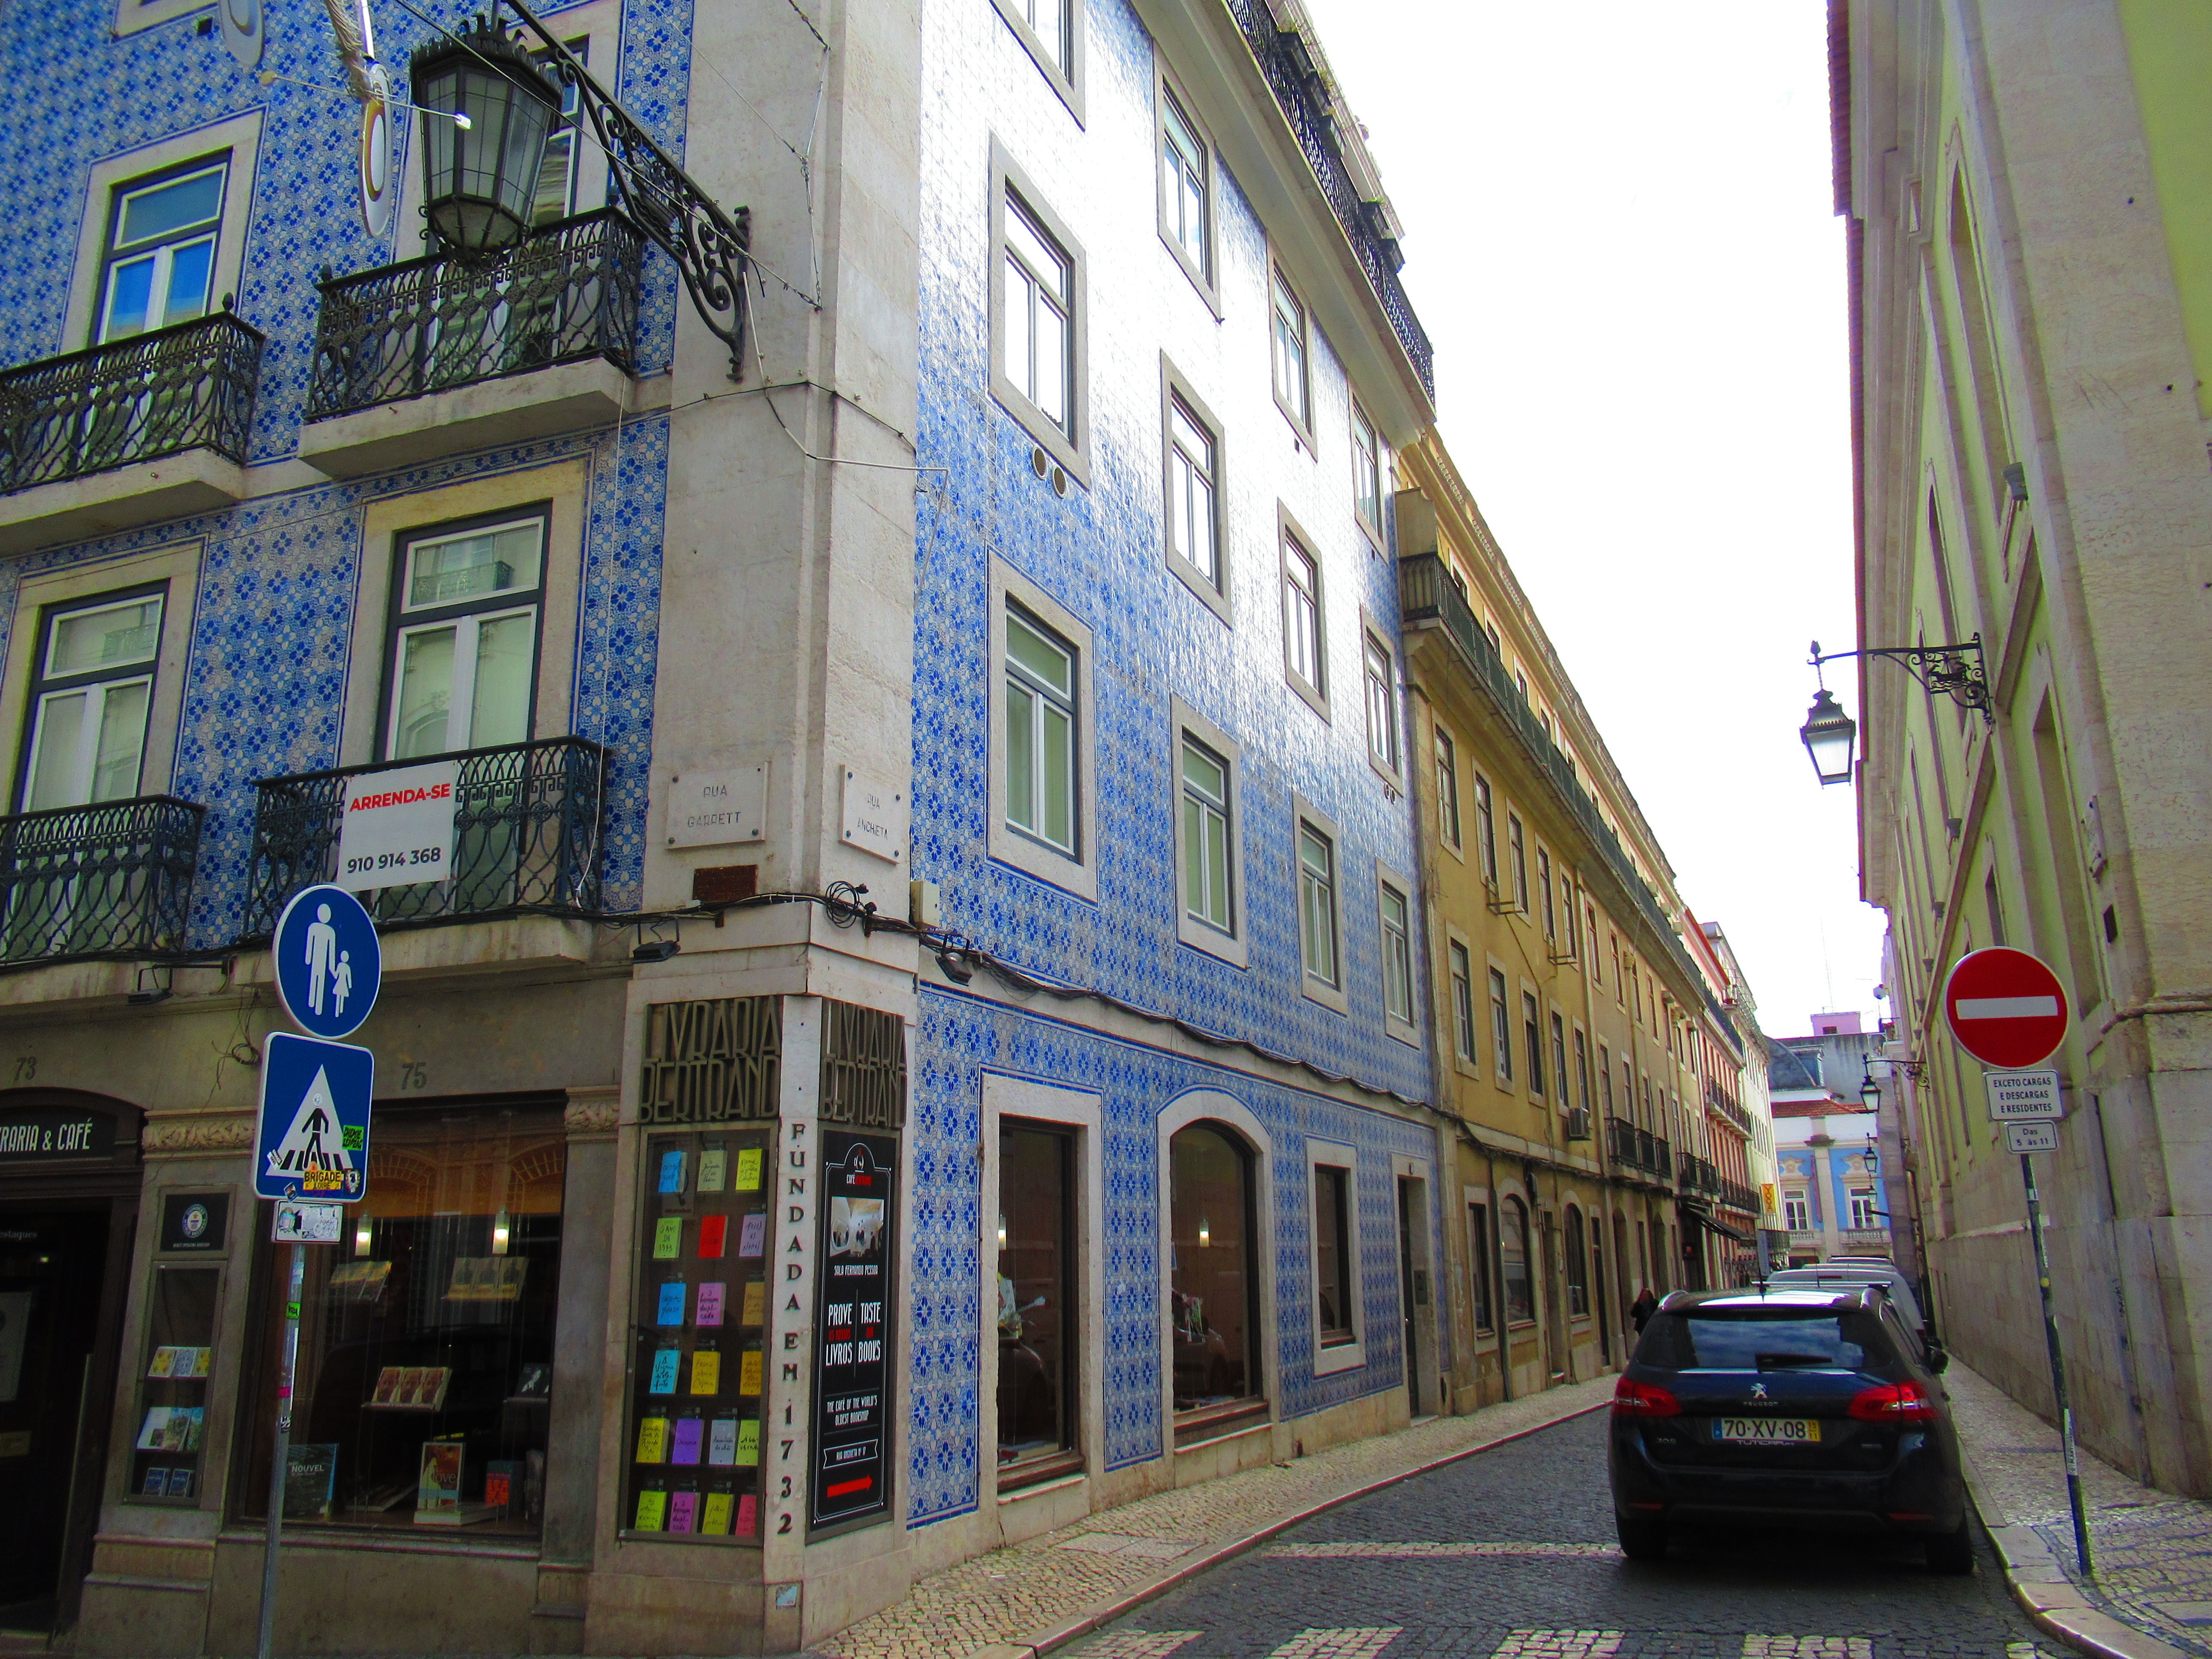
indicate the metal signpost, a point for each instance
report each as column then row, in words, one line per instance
column 2007, row 1009
column 311, row 1146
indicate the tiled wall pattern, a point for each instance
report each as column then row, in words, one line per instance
column 960, row 1038
column 266, row 680
column 1098, row 553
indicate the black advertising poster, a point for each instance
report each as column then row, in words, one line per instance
column 194, row 1223
column 852, row 1297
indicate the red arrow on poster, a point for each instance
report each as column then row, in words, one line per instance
column 2006, row 1007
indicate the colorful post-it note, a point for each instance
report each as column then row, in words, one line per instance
column 670, row 1311
column 652, row 1510
column 682, row 1511
column 749, row 1171
column 710, row 1303
column 652, row 1440
column 749, row 1442
column 713, row 1232
column 722, row 1442
column 665, row 1362
column 714, row 1515
column 689, row 1431
column 752, row 1234
column 706, row 1372
column 755, row 1304
column 749, row 1372
column 668, row 1238
column 713, row 1170
column 672, row 1172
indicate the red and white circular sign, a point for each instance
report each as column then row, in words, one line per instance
column 2006, row 1007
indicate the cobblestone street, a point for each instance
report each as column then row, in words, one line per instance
column 1510, row 1555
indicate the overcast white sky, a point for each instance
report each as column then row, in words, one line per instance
column 1620, row 235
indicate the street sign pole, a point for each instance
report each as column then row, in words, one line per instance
column 293, row 1276
column 2057, row 1365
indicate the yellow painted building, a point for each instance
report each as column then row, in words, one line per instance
column 1585, row 1054
column 2028, row 189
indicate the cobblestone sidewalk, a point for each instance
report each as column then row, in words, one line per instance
column 1011, row 1594
column 2152, row 1551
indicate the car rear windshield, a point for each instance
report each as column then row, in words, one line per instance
column 1759, row 1339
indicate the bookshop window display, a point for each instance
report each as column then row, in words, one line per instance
column 1215, row 1291
column 424, row 1385
column 693, row 1437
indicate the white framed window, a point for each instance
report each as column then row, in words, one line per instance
column 1043, row 807
column 1051, row 33
column 1186, row 188
column 1485, row 833
column 1041, row 780
column 159, row 265
column 1037, row 349
column 1532, row 1040
column 1866, row 1210
column 1333, row 1172
column 462, row 671
column 1447, row 759
column 1321, row 908
column 1209, row 860
column 1305, row 635
column 1396, row 913
column 555, row 198
column 90, row 697
column 1292, row 374
column 1549, row 912
column 1501, row 1027
column 1366, row 475
column 1462, row 998
column 1191, row 458
column 1797, row 1213
column 1516, row 848
column 1559, row 1059
column 1380, row 675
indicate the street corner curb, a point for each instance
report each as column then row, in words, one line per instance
column 2051, row 1600
column 1034, row 1645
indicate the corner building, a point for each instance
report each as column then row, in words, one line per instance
column 924, row 1033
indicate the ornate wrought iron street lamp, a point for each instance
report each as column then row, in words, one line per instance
column 479, row 180
column 482, row 178
column 1829, row 735
column 1951, row 671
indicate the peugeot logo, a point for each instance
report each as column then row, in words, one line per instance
column 1759, row 1391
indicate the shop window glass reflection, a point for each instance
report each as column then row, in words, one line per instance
column 1215, row 1290
column 1036, row 1319
column 424, row 1384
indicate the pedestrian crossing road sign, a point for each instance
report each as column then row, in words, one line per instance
column 313, row 1141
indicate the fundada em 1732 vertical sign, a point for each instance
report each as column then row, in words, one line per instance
column 851, row 1300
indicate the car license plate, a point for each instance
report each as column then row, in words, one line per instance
column 1768, row 1430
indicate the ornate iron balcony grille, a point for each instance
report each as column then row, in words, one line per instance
column 1283, row 60
column 111, row 881
column 567, row 293
column 187, row 387
column 1427, row 594
column 525, row 837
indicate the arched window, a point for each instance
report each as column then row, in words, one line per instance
column 1578, row 1266
column 1513, row 1259
column 1213, row 1275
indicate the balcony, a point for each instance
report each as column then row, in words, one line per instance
column 1737, row 1196
column 1288, row 69
column 111, row 882
column 526, row 838
column 130, row 434
column 1427, row 595
column 1638, row 1150
column 443, row 355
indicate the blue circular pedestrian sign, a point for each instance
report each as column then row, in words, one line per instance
column 329, row 962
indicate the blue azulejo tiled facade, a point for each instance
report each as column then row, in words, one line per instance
column 1083, row 547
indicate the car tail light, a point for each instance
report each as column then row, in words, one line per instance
column 1634, row 1399
column 1893, row 1403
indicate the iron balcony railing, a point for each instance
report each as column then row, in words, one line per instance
column 1737, row 1196
column 567, row 293
column 1427, row 594
column 526, row 836
column 1289, row 68
column 114, row 879
column 1638, row 1149
column 190, row 387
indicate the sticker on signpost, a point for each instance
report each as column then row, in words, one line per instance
column 313, row 1138
column 397, row 829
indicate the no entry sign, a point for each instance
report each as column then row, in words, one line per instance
column 2006, row 1008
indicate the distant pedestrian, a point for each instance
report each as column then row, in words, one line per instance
column 1641, row 1309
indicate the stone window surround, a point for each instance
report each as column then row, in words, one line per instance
column 1332, row 997
column 1070, row 448
column 1344, row 1355
column 1478, row 991
column 1077, row 875
column 1067, row 80
column 1233, row 947
column 1288, row 530
column 1176, row 387
column 1166, row 85
column 1405, row 1030
column 1213, row 1106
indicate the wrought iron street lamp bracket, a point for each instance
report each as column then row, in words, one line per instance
column 666, row 202
column 1953, row 671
